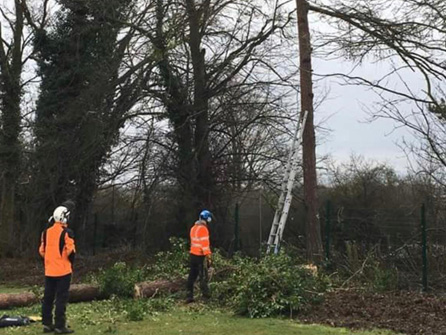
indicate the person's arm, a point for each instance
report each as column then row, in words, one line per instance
column 70, row 245
column 206, row 245
column 42, row 245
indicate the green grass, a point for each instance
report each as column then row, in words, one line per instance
column 111, row 317
column 13, row 289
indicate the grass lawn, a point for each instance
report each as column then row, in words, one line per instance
column 112, row 317
column 12, row 289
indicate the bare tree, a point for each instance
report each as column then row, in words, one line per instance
column 405, row 37
column 15, row 52
column 202, row 47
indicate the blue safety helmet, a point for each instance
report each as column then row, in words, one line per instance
column 206, row 215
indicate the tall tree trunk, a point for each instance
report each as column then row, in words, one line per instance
column 185, row 169
column 10, row 163
column 204, row 184
column 11, row 90
column 7, row 217
column 179, row 113
column 313, row 240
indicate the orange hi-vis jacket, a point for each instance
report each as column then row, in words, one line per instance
column 58, row 250
column 199, row 239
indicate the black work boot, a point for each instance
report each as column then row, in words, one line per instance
column 63, row 330
column 190, row 298
column 48, row 328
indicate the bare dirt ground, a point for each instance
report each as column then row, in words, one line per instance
column 403, row 312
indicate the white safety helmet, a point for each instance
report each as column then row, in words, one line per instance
column 61, row 214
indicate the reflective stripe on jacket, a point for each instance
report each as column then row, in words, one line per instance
column 58, row 249
column 199, row 239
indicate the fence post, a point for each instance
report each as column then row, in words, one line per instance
column 95, row 230
column 424, row 245
column 113, row 205
column 236, row 228
column 327, row 230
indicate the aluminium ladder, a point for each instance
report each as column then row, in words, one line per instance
column 286, row 196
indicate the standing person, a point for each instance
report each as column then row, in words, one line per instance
column 58, row 250
column 200, row 256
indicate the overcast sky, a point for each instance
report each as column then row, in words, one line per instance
column 344, row 113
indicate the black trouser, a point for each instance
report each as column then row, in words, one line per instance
column 55, row 287
column 197, row 269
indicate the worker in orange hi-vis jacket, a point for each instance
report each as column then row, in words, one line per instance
column 58, row 251
column 200, row 256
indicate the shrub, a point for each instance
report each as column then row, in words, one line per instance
column 120, row 279
column 371, row 271
column 382, row 278
column 136, row 310
column 173, row 263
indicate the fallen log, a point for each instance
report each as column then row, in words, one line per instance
column 151, row 289
column 10, row 300
column 87, row 292
column 78, row 293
